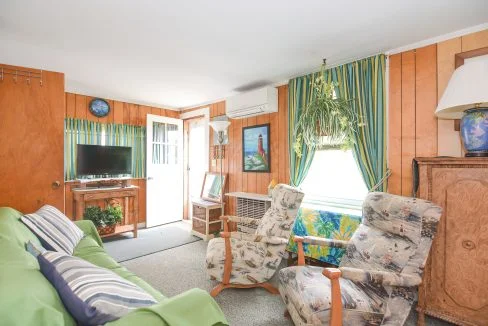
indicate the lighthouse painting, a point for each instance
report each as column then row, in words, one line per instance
column 255, row 148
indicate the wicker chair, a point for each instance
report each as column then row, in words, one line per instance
column 243, row 260
column 376, row 282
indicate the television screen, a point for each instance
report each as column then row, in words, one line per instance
column 103, row 160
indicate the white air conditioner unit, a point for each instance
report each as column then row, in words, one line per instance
column 256, row 102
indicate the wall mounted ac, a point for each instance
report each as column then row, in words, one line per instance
column 256, row 102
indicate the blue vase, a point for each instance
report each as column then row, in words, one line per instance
column 474, row 132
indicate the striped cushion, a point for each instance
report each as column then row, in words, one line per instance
column 54, row 229
column 93, row 295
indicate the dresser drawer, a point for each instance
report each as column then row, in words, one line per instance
column 199, row 212
column 199, row 226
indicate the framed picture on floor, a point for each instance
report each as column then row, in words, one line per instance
column 256, row 148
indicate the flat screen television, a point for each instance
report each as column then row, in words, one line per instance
column 97, row 160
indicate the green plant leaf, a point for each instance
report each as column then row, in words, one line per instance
column 326, row 115
column 109, row 216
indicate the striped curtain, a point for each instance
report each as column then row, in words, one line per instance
column 362, row 81
column 300, row 92
column 130, row 136
column 94, row 133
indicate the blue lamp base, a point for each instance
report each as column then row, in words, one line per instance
column 474, row 132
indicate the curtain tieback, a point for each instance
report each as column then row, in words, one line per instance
column 379, row 183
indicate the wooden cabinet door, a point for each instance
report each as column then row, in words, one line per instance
column 31, row 140
column 456, row 282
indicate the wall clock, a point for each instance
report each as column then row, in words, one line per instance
column 99, row 107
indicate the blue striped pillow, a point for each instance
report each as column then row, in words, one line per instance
column 54, row 229
column 93, row 295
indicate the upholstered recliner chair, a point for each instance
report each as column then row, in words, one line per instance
column 376, row 283
column 244, row 260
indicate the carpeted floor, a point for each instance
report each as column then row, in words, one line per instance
column 149, row 241
column 176, row 270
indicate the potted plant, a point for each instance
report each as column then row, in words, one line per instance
column 104, row 219
column 327, row 120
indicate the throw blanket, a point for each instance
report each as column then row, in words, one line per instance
column 191, row 308
column 323, row 224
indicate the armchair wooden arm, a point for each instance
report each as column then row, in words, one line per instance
column 316, row 241
column 255, row 238
column 333, row 243
column 240, row 219
column 301, row 254
column 333, row 274
column 237, row 219
column 383, row 277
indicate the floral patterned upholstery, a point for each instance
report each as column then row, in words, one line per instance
column 381, row 268
column 255, row 258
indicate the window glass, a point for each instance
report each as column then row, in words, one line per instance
column 334, row 180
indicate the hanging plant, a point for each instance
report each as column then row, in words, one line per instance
column 327, row 120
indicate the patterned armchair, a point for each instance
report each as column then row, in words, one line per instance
column 376, row 282
column 249, row 260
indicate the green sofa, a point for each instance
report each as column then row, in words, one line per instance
column 27, row 297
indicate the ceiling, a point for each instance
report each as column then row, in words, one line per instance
column 187, row 52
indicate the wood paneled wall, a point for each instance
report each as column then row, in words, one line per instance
column 232, row 164
column 417, row 80
column 412, row 124
column 120, row 112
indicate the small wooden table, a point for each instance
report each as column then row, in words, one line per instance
column 83, row 195
column 205, row 218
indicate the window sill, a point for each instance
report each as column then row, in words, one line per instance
column 344, row 206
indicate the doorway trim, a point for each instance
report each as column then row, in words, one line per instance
column 205, row 112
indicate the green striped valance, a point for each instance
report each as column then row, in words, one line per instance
column 78, row 131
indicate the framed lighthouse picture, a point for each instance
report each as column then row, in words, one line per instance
column 256, row 148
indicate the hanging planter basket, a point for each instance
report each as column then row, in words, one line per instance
column 327, row 120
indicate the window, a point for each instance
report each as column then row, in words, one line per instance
column 334, row 181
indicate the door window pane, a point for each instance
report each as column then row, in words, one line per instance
column 165, row 142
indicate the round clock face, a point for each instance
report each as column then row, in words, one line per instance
column 99, row 107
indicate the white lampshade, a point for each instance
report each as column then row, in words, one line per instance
column 219, row 125
column 467, row 88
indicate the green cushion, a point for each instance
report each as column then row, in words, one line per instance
column 26, row 296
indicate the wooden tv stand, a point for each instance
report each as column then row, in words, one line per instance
column 84, row 194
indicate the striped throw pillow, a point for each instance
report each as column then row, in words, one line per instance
column 93, row 295
column 54, row 229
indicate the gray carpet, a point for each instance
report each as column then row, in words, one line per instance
column 177, row 270
column 125, row 247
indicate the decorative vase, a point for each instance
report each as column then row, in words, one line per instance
column 474, row 132
column 103, row 230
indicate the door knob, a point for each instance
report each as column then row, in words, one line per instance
column 150, row 178
column 56, row 184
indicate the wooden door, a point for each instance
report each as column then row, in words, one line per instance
column 31, row 139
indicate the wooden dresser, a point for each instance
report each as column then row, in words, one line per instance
column 456, row 275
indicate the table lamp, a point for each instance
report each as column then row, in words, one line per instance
column 466, row 98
